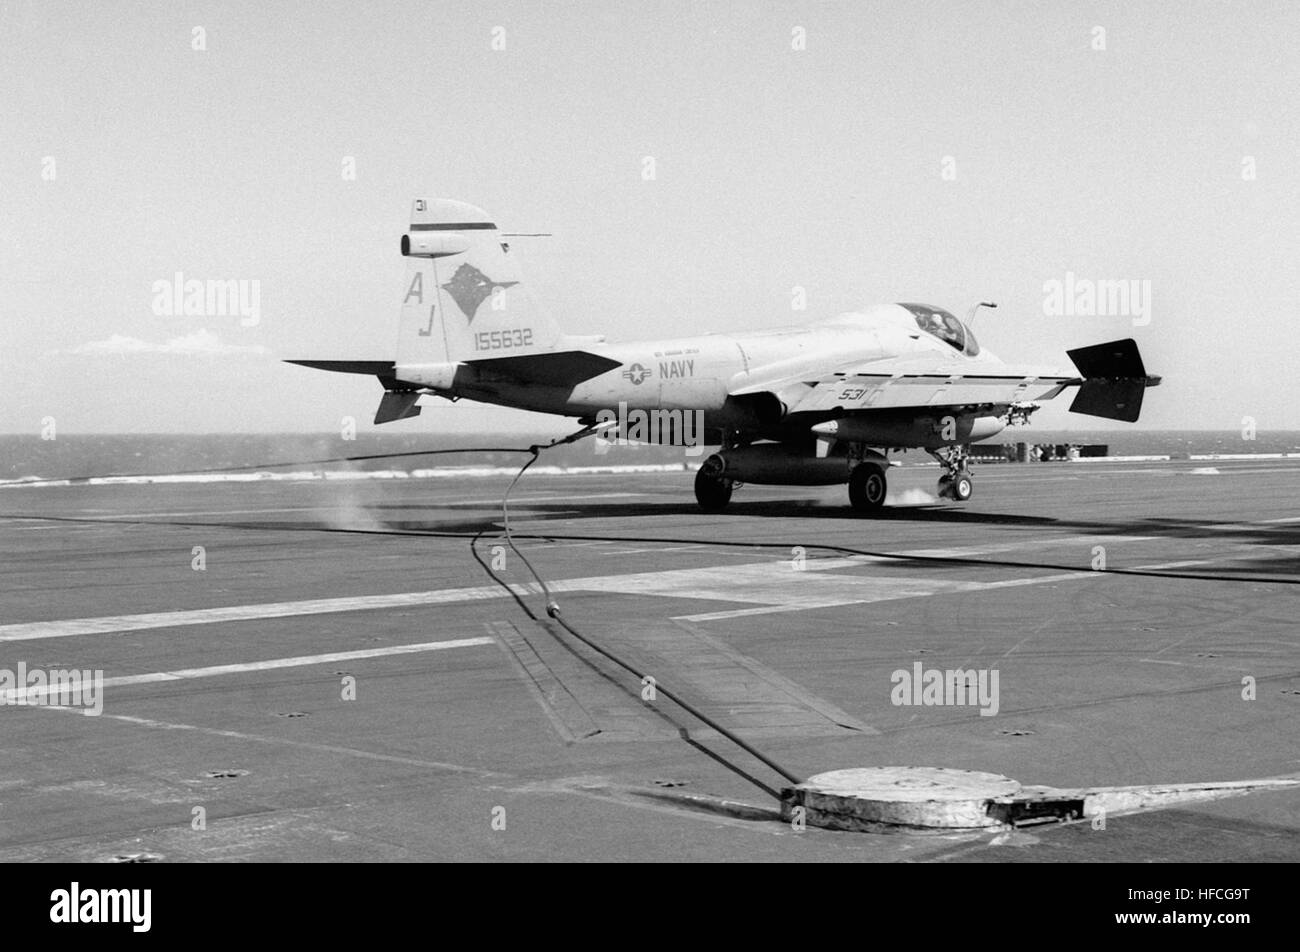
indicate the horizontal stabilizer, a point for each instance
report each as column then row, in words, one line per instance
column 565, row 368
column 378, row 368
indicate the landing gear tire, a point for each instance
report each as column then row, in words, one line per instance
column 867, row 488
column 955, row 483
column 959, row 487
column 963, row 487
column 711, row 492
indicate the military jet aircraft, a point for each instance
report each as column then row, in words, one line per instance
column 822, row 403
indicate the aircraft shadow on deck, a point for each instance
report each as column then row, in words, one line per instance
column 522, row 511
column 1280, row 537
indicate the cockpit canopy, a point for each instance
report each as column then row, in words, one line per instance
column 939, row 323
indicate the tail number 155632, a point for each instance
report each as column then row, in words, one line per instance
column 503, row 340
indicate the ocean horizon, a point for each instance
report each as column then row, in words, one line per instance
column 79, row 456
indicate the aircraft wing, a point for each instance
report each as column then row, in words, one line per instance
column 899, row 384
column 1111, row 384
column 918, row 381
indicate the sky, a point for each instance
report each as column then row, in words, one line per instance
column 941, row 152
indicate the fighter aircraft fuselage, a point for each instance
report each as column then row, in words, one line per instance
column 707, row 371
column 821, row 402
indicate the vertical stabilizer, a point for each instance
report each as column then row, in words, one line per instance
column 464, row 296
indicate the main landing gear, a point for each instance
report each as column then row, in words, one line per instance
column 867, row 487
column 712, row 489
column 956, row 482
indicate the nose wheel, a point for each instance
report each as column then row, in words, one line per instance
column 956, row 482
column 959, row 487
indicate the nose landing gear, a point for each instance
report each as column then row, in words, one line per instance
column 956, row 482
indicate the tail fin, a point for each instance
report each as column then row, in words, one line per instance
column 464, row 296
column 1114, row 380
column 466, row 313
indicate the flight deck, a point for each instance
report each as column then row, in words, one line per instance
column 363, row 670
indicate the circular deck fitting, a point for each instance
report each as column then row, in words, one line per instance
column 924, row 798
